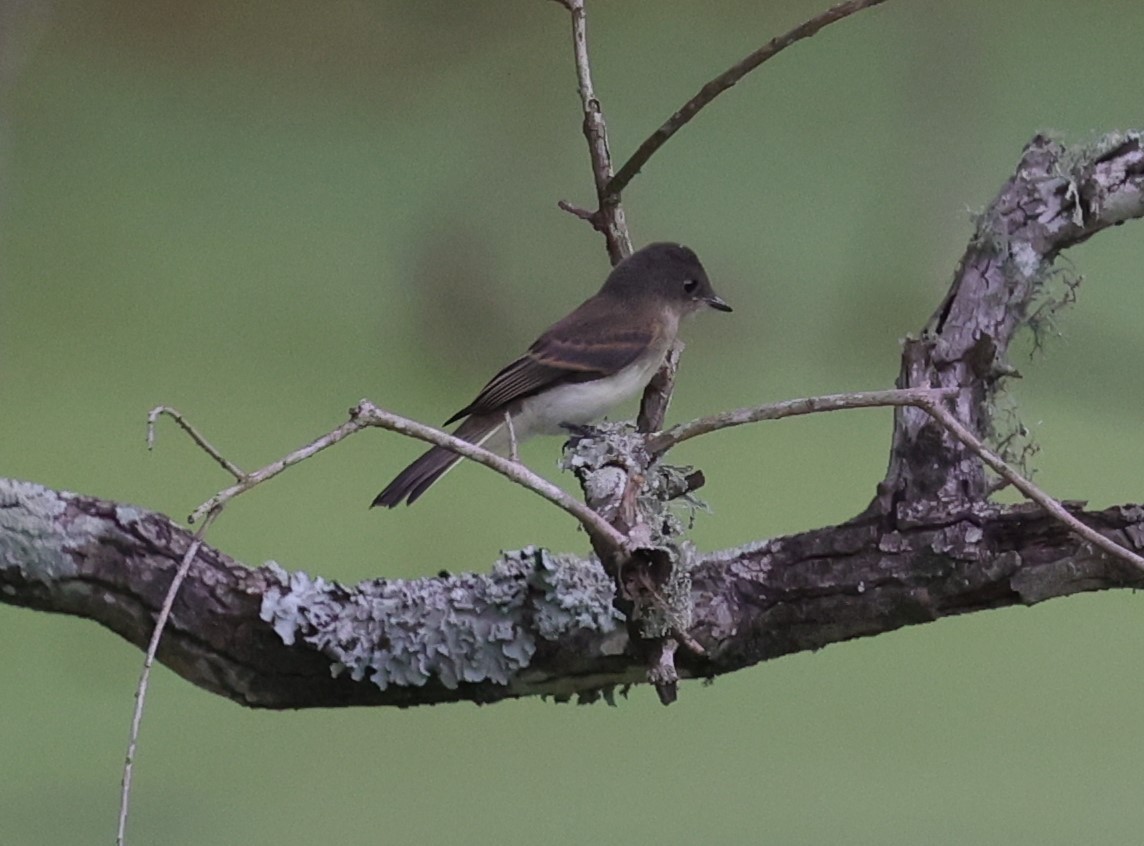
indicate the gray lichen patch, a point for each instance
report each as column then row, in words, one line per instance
column 36, row 543
column 577, row 594
column 465, row 628
column 602, row 459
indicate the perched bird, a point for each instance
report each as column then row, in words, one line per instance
column 601, row 354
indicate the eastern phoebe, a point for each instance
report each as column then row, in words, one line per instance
column 601, row 354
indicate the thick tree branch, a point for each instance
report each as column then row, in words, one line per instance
column 538, row 624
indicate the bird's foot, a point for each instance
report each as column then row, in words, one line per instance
column 580, row 431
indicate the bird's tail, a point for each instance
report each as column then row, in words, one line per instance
column 419, row 476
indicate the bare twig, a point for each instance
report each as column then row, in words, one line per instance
column 956, row 428
column 166, row 410
column 661, row 442
column 251, row 480
column 576, row 211
column 366, row 415
column 657, row 395
column 149, row 660
column 720, row 84
column 608, row 219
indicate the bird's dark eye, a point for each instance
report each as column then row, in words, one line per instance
column 691, row 286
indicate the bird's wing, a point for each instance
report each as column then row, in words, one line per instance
column 579, row 348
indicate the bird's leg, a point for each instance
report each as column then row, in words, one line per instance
column 512, row 453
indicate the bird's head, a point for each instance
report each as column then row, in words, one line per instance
column 670, row 272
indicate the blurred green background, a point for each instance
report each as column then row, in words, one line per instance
column 261, row 212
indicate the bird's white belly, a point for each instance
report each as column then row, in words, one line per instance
column 582, row 402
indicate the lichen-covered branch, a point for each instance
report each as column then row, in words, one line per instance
column 537, row 623
column 1057, row 197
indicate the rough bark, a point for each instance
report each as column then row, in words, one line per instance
column 112, row 563
column 929, row 545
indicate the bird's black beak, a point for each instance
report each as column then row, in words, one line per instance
column 717, row 303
